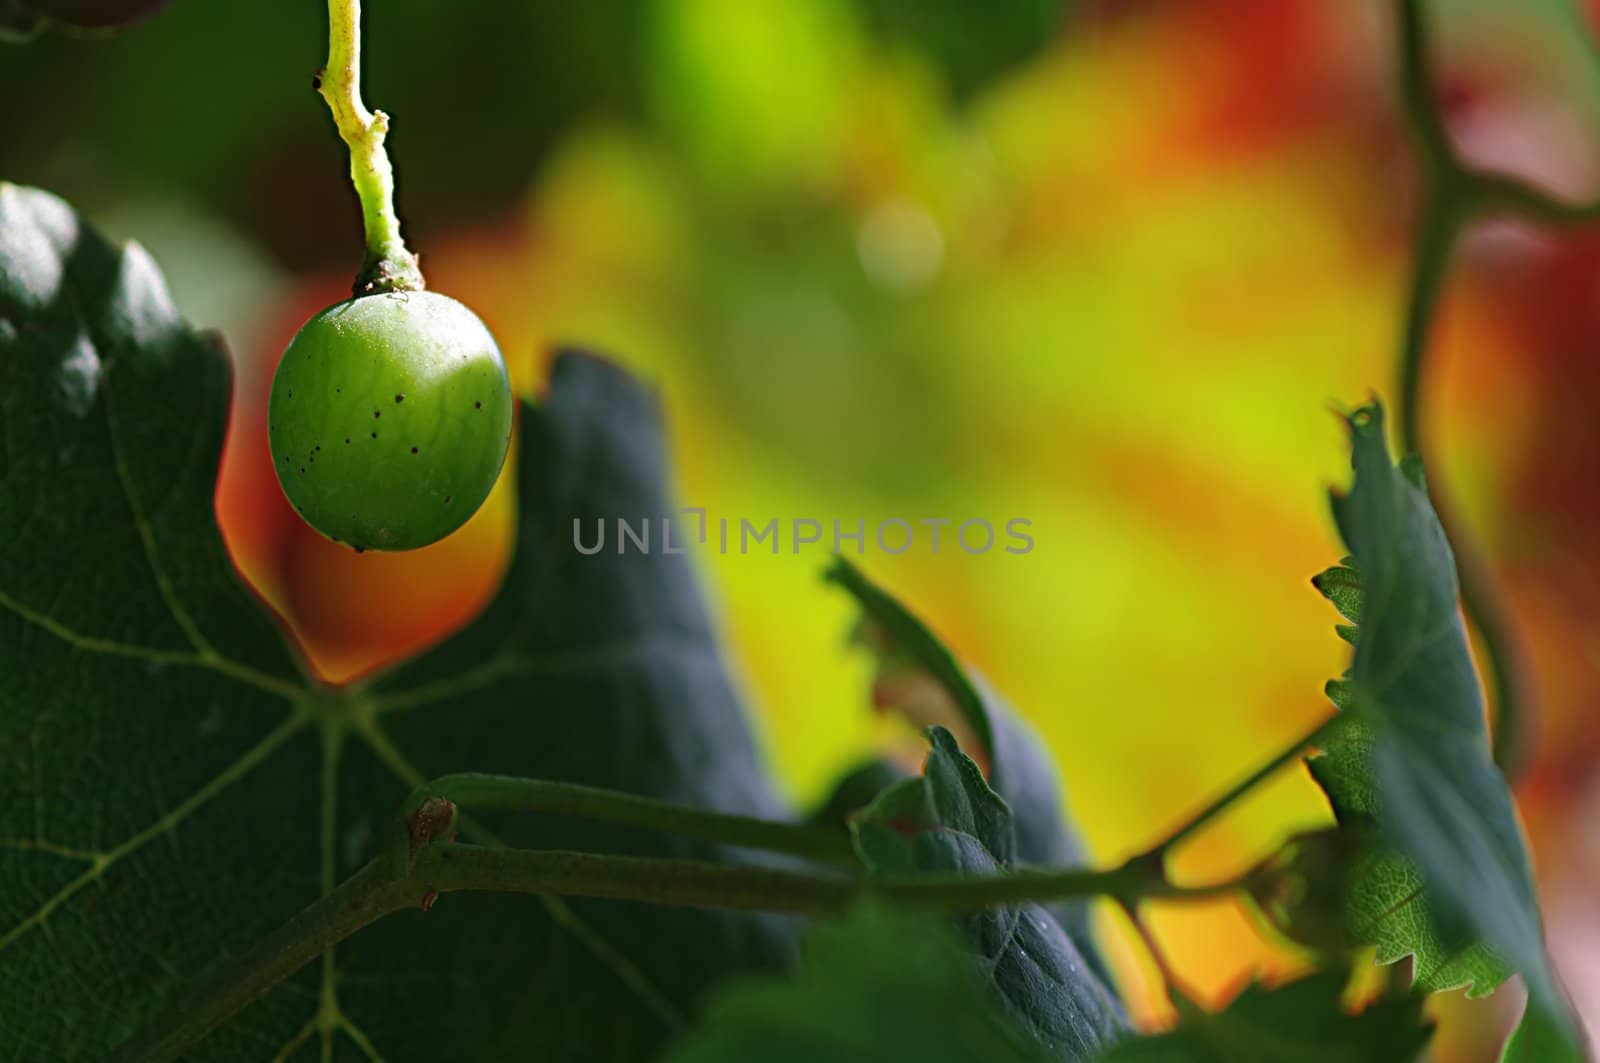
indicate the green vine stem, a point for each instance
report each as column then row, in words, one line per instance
column 389, row 265
column 384, row 887
column 1290, row 753
column 421, row 862
column 480, row 791
column 1453, row 195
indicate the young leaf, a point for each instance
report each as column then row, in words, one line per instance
column 877, row 984
column 910, row 637
column 1018, row 767
column 949, row 820
column 1383, row 898
column 1302, row 1022
column 174, row 787
column 1337, row 890
column 1414, row 755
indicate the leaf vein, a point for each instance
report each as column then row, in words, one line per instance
column 557, row 908
column 113, row 648
column 146, row 533
column 166, row 823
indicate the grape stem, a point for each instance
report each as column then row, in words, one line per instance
column 389, row 265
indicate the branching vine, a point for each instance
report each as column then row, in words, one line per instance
column 422, row 860
column 1453, row 195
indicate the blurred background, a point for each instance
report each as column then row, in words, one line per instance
column 1101, row 265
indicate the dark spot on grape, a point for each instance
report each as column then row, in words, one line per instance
column 399, row 399
column 477, row 405
column 360, row 549
column 347, row 442
column 376, row 414
column 447, row 500
column 302, row 470
column 374, row 435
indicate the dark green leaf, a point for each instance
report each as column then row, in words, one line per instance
column 602, row 670
column 1302, row 1022
column 1019, row 769
column 876, row 985
column 174, row 788
column 949, row 820
column 920, row 823
column 1414, row 755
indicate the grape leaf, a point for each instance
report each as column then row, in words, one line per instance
column 948, row 820
column 1019, row 769
column 174, row 786
column 1415, row 753
column 1302, row 1022
column 1384, row 903
column 877, row 984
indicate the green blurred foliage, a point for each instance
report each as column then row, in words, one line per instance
column 200, row 103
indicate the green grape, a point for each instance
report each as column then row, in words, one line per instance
column 389, row 419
